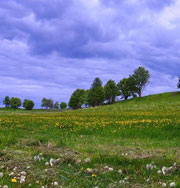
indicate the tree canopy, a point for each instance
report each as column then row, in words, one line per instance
column 111, row 91
column 28, row 104
column 7, row 101
column 15, row 102
column 77, row 99
column 141, row 78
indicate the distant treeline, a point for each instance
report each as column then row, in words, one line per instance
column 98, row 94
column 132, row 86
column 15, row 102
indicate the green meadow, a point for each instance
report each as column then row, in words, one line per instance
column 133, row 143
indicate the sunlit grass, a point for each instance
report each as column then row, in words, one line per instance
column 127, row 135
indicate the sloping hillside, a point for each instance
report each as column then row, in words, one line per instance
column 133, row 143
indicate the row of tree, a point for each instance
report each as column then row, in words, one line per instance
column 15, row 102
column 132, row 86
column 48, row 103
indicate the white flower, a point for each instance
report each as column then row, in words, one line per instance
column 22, row 180
column 1, row 174
column 106, row 167
column 55, row 183
column 170, row 168
column 126, row 178
column 87, row 160
column 148, row 180
column 5, row 186
column 110, row 169
column 47, row 163
column 164, row 169
column 15, row 168
column 37, row 158
column 120, row 171
column 122, row 182
column 51, row 161
column 172, row 184
column 11, row 174
column 78, row 161
column 148, row 166
column 23, row 173
column 163, row 184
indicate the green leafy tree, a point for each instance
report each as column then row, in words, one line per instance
column 47, row 103
column 7, row 101
column 63, row 105
column 28, row 104
column 111, row 91
column 178, row 85
column 96, row 83
column 15, row 102
column 56, row 105
column 95, row 96
column 140, row 79
column 44, row 103
column 77, row 99
column 87, row 96
column 124, row 87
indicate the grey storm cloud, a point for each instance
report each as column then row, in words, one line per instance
column 50, row 48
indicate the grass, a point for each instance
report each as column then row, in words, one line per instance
column 127, row 135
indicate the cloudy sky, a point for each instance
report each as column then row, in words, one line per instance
column 49, row 48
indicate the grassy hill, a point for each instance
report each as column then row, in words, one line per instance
column 122, row 145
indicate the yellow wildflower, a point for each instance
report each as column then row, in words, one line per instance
column 13, row 180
